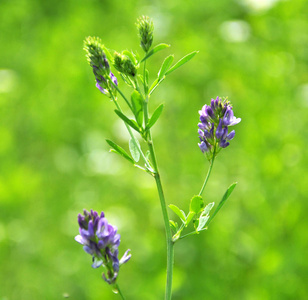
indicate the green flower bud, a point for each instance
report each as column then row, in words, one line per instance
column 96, row 56
column 124, row 64
column 146, row 27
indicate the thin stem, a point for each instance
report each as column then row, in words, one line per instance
column 170, row 243
column 188, row 234
column 118, row 291
column 207, row 175
column 120, row 92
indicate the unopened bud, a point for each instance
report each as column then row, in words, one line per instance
column 124, row 64
column 146, row 27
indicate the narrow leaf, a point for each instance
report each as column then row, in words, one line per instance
column 137, row 106
column 196, row 204
column 208, row 208
column 182, row 61
column 204, row 216
column 202, row 222
column 165, row 66
column 108, row 55
column 146, row 77
column 128, row 121
column 134, row 149
column 154, row 50
column 119, row 150
column 155, row 116
column 223, row 200
column 189, row 217
column 131, row 56
column 154, row 84
column 178, row 212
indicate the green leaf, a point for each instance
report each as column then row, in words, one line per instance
column 182, row 61
column 154, row 50
column 207, row 209
column 128, row 121
column 131, row 56
column 202, row 222
column 120, row 150
column 165, row 66
column 108, row 55
column 178, row 212
column 155, row 116
column 134, row 149
column 154, row 84
column 137, row 106
column 196, row 204
column 204, row 216
column 146, row 77
column 189, row 217
column 223, row 200
column 174, row 226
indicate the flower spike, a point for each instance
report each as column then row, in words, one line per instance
column 213, row 129
column 101, row 241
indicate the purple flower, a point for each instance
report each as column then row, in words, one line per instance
column 102, row 85
column 101, row 241
column 229, row 119
column 213, row 129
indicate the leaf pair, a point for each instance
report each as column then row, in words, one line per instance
column 166, row 68
column 134, row 148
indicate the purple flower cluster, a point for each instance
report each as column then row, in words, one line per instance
column 101, row 240
column 105, row 80
column 213, row 129
column 101, row 82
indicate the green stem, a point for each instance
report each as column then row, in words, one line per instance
column 120, row 92
column 118, row 291
column 207, row 175
column 170, row 243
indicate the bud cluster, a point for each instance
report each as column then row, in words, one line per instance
column 146, row 28
column 100, row 66
column 213, row 129
column 124, row 64
column 101, row 240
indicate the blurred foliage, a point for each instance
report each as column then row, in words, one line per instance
column 55, row 161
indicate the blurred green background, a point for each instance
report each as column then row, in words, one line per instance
column 55, row 161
